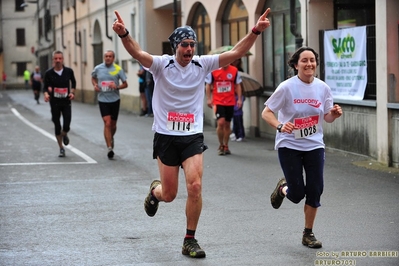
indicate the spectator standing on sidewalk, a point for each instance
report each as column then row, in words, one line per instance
column 36, row 82
column 303, row 102
column 142, row 84
column 178, row 116
column 59, row 89
column 26, row 79
column 238, row 121
column 105, row 78
column 4, row 80
column 149, row 91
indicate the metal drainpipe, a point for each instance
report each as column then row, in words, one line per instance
column 77, row 39
column 38, row 16
column 143, row 41
column 175, row 16
column 106, row 20
column 62, row 24
column 78, row 42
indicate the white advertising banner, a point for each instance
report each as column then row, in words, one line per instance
column 346, row 62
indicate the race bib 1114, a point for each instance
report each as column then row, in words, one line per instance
column 180, row 121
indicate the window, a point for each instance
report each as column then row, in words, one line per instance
column 40, row 28
column 279, row 43
column 201, row 25
column 18, row 7
column 21, row 37
column 352, row 13
column 133, row 26
column 235, row 22
column 235, row 25
column 125, row 65
column 84, row 47
column 21, row 67
column 47, row 21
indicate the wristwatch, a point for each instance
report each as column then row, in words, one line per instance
column 279, row 127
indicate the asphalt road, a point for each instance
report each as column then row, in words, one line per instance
column 87, row 210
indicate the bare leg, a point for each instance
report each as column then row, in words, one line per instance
column 59, row 140
column 220, row 130
column 193, row 169
column 143, row 102
column 169, row 176
column 108, row 130
column 167, row 191
column 308, row 238
column 226, row 132
column 310, row 216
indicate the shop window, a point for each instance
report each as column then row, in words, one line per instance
column 279, row 42
column 235, row 25
column 354, row 13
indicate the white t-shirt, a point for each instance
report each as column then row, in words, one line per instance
column 178, row 96
column 304, row 105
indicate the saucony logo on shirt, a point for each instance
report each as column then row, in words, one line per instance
column 312, row 102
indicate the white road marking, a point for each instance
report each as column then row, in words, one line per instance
column 84, row 156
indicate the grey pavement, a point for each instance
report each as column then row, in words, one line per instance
column 87, row 210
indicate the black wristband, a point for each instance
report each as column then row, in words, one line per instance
column 124, row 35
column 255, row 31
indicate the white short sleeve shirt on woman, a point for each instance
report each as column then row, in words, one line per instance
column 304, row 105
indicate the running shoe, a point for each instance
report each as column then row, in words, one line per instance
column 191, row 248
column 65, row 139
column 310, row 240
column 226, row 150
column 277, row 196
column 62, row 153
column 110, row 153
column 143, row 112
column 150, row 202
column 221, row 150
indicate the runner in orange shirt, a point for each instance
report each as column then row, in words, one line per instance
column 224, row 83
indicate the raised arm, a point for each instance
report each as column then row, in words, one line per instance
column 131, row 46
column 243, row 46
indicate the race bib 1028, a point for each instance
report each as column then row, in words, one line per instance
column 307, row 126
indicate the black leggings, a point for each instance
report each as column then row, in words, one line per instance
column 58, row 108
